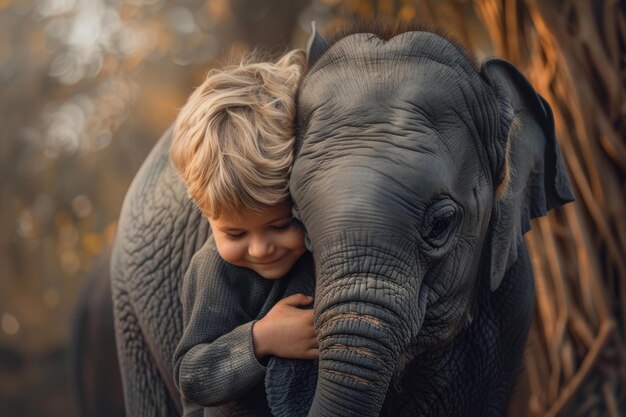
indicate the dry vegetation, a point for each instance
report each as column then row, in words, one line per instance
column 573, row 52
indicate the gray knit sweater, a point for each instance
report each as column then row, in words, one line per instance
column 214, row 362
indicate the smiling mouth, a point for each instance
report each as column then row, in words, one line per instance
column 269, row 263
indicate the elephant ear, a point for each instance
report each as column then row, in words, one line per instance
column 315, row 47
column 528, row 155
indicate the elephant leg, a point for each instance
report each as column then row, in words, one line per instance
column 93, row 355
column 145, row 393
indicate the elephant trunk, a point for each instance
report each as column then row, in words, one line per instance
column 363, row 324
column 354, row 370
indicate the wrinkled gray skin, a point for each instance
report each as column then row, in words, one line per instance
column 424, row 289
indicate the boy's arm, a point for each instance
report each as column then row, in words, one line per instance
column 210, row 374
column 214, row 361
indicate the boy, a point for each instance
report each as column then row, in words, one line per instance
column 233, row 146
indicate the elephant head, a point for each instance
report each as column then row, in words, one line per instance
column 417, row 173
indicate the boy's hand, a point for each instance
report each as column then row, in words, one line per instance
column 286, row 331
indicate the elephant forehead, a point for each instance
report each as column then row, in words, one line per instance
column 429, row 99
column 414, row 125
column 406, row 46
column 359, row 62
column 402, row 95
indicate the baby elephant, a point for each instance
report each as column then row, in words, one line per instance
column 417, row 172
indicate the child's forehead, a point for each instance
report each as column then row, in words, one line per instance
column 247, row 216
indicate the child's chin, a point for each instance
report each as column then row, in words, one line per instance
column 271, row 275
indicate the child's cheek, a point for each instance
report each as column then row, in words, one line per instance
column 229, row 251
column 296, row 240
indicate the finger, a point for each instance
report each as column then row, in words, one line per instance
column 297, row 300
column 305, row 318
column 312, row 353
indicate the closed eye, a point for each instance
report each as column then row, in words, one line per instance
column 283, row 226
column 234, row 236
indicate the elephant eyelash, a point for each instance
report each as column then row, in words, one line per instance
column 440, row 223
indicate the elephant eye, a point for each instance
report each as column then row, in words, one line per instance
column 440, row 222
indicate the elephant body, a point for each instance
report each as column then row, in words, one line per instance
column 417, row 172
column 476, row 372
column 158, row 232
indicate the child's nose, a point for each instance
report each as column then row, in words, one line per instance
column 260, row 248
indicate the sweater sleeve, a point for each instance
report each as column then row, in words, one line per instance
column 214, row 361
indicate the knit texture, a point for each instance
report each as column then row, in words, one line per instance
column 214, row 362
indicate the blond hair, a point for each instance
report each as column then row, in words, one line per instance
column 233, row 140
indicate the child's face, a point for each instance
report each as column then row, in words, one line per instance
column 268, row 242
